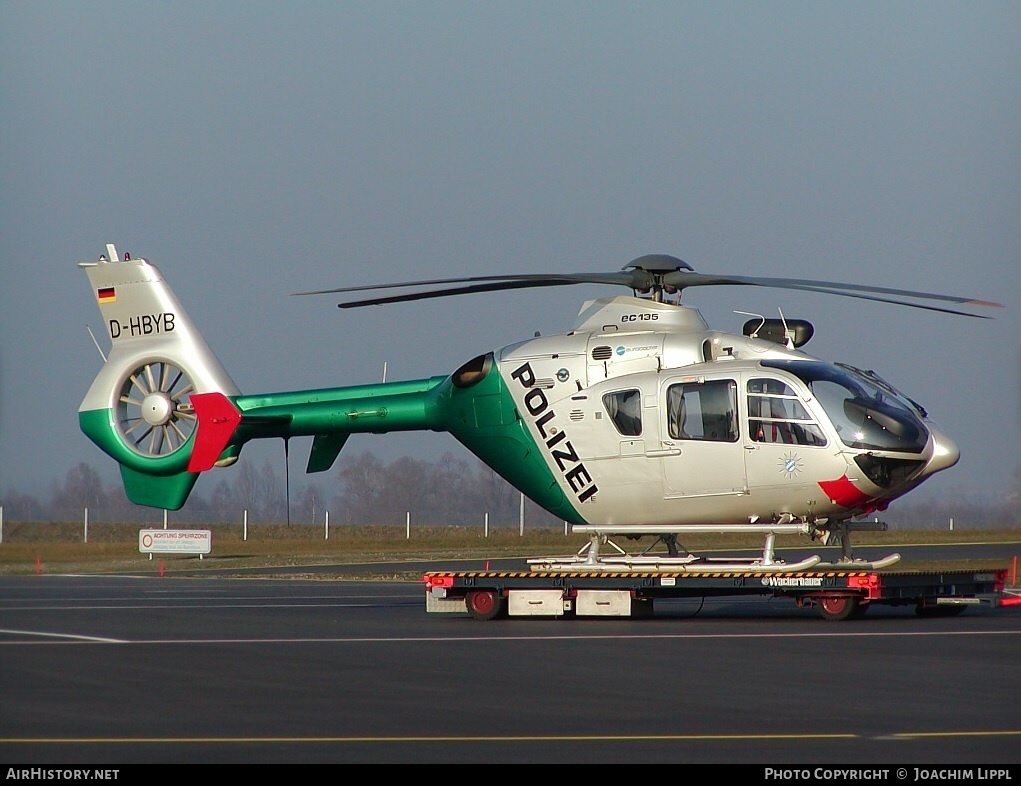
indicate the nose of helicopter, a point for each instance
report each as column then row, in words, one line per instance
column 945, row 453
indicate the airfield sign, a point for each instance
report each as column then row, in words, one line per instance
column 176, row 541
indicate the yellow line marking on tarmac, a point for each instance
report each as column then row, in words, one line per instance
column 490, row 738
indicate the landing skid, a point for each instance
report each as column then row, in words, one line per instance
column 842, row 532
column 589, row 557
column 862, row 564
column 645, row 564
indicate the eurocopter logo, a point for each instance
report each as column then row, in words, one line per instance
column 622, row 349
column 557, row 444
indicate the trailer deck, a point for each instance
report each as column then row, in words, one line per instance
column 838, row 593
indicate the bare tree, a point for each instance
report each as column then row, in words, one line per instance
column 447, row 491
column 82, row 488
column 24, row 507
column 259, row 491
column 311, row 505
column 271, row 497
column 362, row 488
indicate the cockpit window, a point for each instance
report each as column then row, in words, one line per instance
column 776, row 414
column 865, row 413
column 703, row 410
column 625, row 410
column 872, row 375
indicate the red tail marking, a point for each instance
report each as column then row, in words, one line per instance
column 217, row 419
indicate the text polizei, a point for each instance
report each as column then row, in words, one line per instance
column 555, row 440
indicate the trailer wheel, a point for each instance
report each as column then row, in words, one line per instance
column 837, row 608
column 484, row 604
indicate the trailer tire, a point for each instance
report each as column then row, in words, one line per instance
column 484, row 604
column 837, row 608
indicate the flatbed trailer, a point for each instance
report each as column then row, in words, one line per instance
column 838, row 593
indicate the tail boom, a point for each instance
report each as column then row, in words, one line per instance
column 164, row 408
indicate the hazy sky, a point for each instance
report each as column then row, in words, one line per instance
column 254, row 149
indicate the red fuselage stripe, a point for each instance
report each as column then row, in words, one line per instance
column 844, row 492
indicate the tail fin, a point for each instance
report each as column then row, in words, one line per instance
column 139, row 409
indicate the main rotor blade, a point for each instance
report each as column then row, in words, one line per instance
column 681, row 279
column 641, row 278
column 907, row 303
column 698, row 279
column 646, row 274
column 527, row 282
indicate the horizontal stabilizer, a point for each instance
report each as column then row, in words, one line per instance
column 325, row 449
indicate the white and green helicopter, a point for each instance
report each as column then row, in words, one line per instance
column 640, row 420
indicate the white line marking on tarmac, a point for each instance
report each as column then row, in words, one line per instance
column 504, row 639
column 43, row 634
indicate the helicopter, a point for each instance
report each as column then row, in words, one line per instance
column 639, row 420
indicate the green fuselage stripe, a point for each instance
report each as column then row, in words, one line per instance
column 483, row 418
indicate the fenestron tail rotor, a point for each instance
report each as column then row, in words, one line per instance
column 154, row 416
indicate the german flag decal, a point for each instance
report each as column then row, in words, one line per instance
column 106, row 295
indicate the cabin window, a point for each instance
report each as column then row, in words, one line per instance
column 776, row 414
column 625, row 410
column 703, row 410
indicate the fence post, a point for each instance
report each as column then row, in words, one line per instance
column 164, row 518
column 86, row 525
column 407, row 524
column 246, row 524
column 327, row 525
column 487, row 525
column 521, row 517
